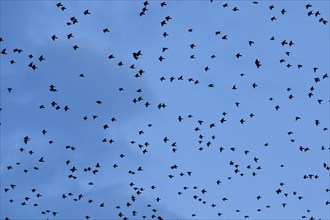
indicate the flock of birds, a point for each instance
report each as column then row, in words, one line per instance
column 202, row 128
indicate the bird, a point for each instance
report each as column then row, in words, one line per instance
column 41, row 58
column 136, row 55
column 308, row 6
column 69, row 36
column 258, row 63
column 54, row 37
column 4, row 51
column 86, row 12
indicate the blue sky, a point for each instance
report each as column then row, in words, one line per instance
column 29, row 25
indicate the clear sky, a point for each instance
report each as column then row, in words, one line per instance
column 217, row 157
